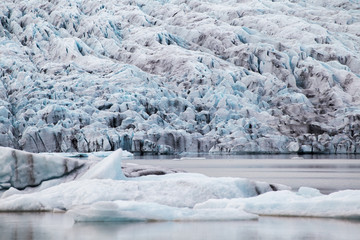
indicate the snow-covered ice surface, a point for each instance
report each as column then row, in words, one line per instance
column 307, row 202
column 304, row 203
column 177, row 190
column 176, row 75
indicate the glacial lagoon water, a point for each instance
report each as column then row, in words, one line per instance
column 328, row 173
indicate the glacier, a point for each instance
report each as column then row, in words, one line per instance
column 164, row 77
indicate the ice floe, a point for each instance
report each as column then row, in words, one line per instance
column 176, row 190
column 306, row 202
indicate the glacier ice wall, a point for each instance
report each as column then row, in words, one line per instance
column 180, row 76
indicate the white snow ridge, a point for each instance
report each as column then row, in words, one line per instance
column 180, row 76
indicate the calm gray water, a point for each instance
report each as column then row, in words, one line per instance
column 327, row 174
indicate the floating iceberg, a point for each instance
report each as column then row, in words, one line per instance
column 342, row 204
column 304, row 203
column 176, row 190
column 33, row 172
column 21, row 169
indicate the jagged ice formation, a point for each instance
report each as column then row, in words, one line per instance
column 180, row 76
column 21, row 169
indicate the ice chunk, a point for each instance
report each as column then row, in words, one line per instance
column 176, row 190
column 21, row 169
column 309, row 192
column 342, row 204
column 307, row 203
column 108, row 168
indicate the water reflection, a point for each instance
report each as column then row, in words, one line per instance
column 47, row 226
column 265, row 228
